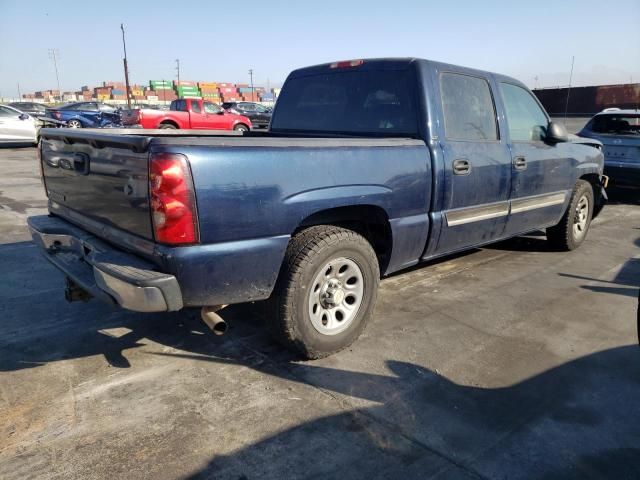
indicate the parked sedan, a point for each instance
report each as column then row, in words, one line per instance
column 619, row 132
column 32, row 108
column 17, row 126
column 86, row 114
column 259, row 115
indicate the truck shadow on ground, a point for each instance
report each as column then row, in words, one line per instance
column 578, row 421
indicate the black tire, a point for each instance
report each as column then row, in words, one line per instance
column 307, row 255
column 74, row 123
column 564, row 236
column 167, row 126
column 241, row 127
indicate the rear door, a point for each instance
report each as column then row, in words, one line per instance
column 542, row 174
column 477, row 162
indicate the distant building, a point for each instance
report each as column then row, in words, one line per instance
column 587, row 101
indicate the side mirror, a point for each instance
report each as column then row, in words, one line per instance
column 23, row 116
column 556, row 133
column 221, row 112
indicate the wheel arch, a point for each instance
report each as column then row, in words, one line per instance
column 370, row 221
column 168, row 121
column 599, row 198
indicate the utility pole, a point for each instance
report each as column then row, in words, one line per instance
column 126, row 68
column 19, row 94
column 566, row 107
column 178, row 69
column 251, row 77
column 54, row 54
column 536, row 82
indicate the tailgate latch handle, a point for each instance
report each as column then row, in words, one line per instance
column 78, row 164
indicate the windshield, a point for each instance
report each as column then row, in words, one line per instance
column 617, row 124
column 358, row 102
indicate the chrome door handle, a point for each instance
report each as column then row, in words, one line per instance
column 520, row 163
column 461, row 167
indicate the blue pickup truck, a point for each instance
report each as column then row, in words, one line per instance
column 368, row 167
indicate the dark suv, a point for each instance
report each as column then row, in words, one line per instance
column 259, row 115
column 32, row 108
column 619, row 132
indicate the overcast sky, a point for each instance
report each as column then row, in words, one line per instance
column 221, row 41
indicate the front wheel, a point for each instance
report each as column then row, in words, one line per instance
column 572, row 229
column 241, row 127
column 326, row 290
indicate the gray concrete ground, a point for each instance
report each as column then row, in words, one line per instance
column 511, row 361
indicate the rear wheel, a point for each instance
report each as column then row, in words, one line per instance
column 73, row 123
column 572, row 229
column 241, row 127
column 167, row 126
column 326, row 290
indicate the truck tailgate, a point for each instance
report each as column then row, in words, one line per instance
column 103, row 177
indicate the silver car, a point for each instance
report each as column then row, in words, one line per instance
column 619, row 132
column 16, row 126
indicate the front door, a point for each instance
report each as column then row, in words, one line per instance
column 477, row 164
column 542, row 173
column 216, row 119
column 197, row 115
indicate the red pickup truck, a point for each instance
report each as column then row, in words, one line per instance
column 188, row 113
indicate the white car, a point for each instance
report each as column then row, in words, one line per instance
column 16, row 126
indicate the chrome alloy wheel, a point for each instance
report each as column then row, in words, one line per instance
column 335, row 296
column 580, row 218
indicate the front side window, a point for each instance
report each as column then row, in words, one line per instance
column 527, row 121
column 7, row 112
column 211, row 108
column 616, row 124
column 106, row 108
column 469, row 113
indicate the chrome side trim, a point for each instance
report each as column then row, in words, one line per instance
column 540, row 201
column 476, row 214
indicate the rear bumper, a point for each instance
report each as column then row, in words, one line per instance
column 105, row 272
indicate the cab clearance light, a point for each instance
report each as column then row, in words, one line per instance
column 347, row 64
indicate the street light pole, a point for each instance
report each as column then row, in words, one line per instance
column 54, row 54
column 178, row 69
column 126, row 68
column 251, row 77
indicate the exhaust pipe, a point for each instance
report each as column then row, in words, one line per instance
column 214, row 321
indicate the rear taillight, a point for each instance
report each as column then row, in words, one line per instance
column 57, row 115
column 172, row 200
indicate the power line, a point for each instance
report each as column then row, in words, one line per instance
column 566, row 107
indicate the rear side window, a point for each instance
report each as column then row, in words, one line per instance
column 178, row 106
column 195, row 107
column 527, row 121
column 469, row 113
column 351, row 102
